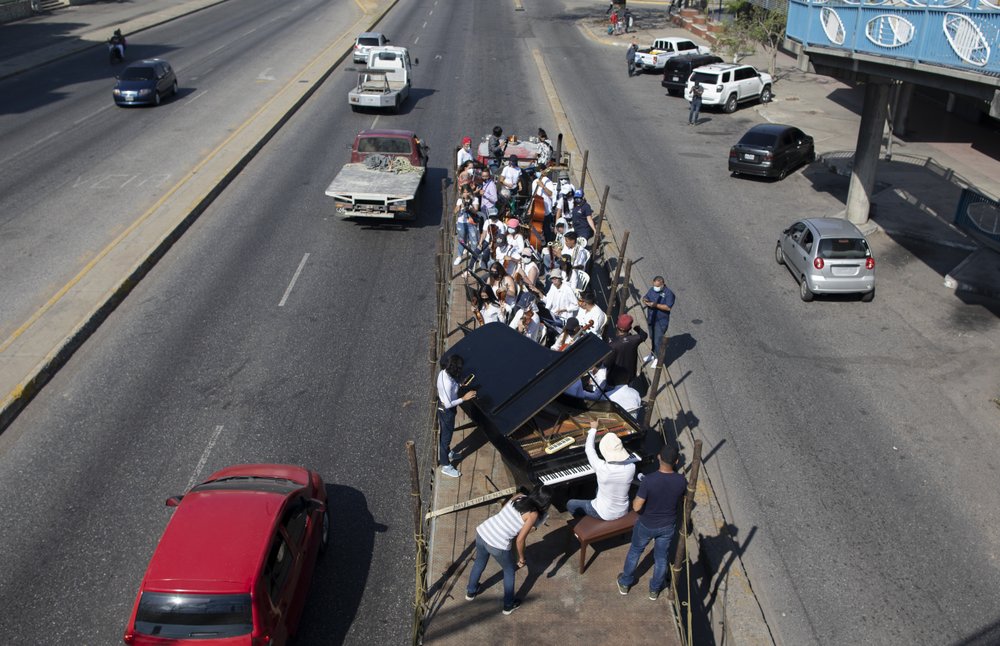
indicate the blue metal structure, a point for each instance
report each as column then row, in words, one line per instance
column 956, row 34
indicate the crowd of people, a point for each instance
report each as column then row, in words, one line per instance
column 536, row 280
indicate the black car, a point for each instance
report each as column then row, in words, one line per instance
column 145, row 83
column 679, row 68
column 771, row 150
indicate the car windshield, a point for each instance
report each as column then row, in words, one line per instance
column 704, row 77
column 387, row 145
column 762, row 139
column 847, row 248
column 138, row 74
column 368, row 42
column 194, row 616
column 249, row 483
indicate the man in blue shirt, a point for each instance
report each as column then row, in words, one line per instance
column 658, row 301
column 657, row 503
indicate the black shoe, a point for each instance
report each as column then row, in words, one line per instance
column 653, row 596
column 514, row 606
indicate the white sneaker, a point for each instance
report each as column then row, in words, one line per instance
column 457, row 262
column 451, row 471
column 649, row 357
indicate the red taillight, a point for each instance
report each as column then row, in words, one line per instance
column 261, row 641
column 767, row 157
column 869, row 263
column 732, row 153
column 818, row 263
column 129, row 637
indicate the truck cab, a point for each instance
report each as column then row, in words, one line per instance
column 663, row 49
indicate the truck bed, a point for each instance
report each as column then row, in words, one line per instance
column 361, row 183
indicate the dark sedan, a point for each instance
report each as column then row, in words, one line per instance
column 771, row 150
column 145, row 83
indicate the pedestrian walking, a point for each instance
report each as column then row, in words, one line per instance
column 656, row 502
column 447, row 408
column 500, row 534
column 659, row 300
column 630, row 57
column 629, row 20
column 696, row 93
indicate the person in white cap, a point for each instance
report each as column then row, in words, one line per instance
column 527, row 269
column 614, row 477
column 560, row 299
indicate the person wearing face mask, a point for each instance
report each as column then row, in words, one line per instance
column 658, row 301
column 527, row 269
column 504, row 288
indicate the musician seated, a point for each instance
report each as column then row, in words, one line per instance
column 487, row 308
column 527, row 269
column 570, row 333
column 614, row 477
column 627, row 397
column 560, row 300
column 552, row 252
column 591, row 386
column 527, row 324
column 592, row 314
column 503, row 286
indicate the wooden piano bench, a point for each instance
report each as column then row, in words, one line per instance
column 591, row 530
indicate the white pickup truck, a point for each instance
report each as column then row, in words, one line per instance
column 663, row 49
column 385, row 82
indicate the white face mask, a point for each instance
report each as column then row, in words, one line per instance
column 657, row 289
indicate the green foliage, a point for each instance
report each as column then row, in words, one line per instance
column 753, row 26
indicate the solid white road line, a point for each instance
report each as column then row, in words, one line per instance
column 92, row 114
column 204, row 457
column 294, row 278
column 374, row 121
column 415, row 40
column 196, row 96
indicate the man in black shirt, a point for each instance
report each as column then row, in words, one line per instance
column 624, row 360
column 657, row 503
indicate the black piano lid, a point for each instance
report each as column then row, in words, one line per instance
column 516, row 377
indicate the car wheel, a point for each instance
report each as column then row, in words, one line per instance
column 868, row 297
column 783, row 173
column 765, row 94
column 324, row 537
column 730, row 106
column 173, row 89
column 778, row 256
column 156, row 97
column 804, row 292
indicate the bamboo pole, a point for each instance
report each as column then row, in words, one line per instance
column 681, row 553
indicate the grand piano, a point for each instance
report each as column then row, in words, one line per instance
column 521, row 406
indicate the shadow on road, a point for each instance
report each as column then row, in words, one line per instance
column 340, row 577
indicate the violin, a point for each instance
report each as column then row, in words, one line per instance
column 579, row 333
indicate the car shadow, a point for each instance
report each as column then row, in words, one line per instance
column 429, row 210
column 45, row 84
column 416, row 94
column 342, row 573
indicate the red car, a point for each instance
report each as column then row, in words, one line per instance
column 235, row 562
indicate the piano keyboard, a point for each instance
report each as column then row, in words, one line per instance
column 569, row 473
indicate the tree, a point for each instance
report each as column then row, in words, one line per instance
column 754, row 25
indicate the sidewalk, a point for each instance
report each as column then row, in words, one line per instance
column 917, row 191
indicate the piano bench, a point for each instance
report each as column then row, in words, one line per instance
column 591, row 530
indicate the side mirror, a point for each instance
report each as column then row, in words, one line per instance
column 173, row 501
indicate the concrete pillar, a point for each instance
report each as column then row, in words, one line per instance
column 903, row 109
column 866, row 154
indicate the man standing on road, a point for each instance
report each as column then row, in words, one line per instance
column 630, row 58
column 696, row 93
column 464, row 153
column 624, row 357
column 656, row 502
column 659, row 300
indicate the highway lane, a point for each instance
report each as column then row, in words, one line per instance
column 855, row 441
column 203, row 365
column 75, row 170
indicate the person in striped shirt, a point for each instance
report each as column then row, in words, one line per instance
column 499, row 534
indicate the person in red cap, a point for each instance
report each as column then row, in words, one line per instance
column 464, row 153
column 624, row 359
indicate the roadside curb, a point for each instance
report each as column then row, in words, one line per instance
column 19, row 397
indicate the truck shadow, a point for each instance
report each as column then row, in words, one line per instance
column 429, row 212
column 341, row 575
column 416, row 94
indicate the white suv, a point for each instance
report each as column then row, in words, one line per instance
column 728, row 85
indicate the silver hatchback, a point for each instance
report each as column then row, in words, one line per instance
column 827, row 256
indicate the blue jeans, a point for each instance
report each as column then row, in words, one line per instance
column 657, row 330
column 641, row 535
column 506, row 560
column 578, row 507
column 468, row 234
column 695, row 112
column 446, row 424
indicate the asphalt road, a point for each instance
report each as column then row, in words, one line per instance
column 853, row 444
column 75, row 170
column 202, row 365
